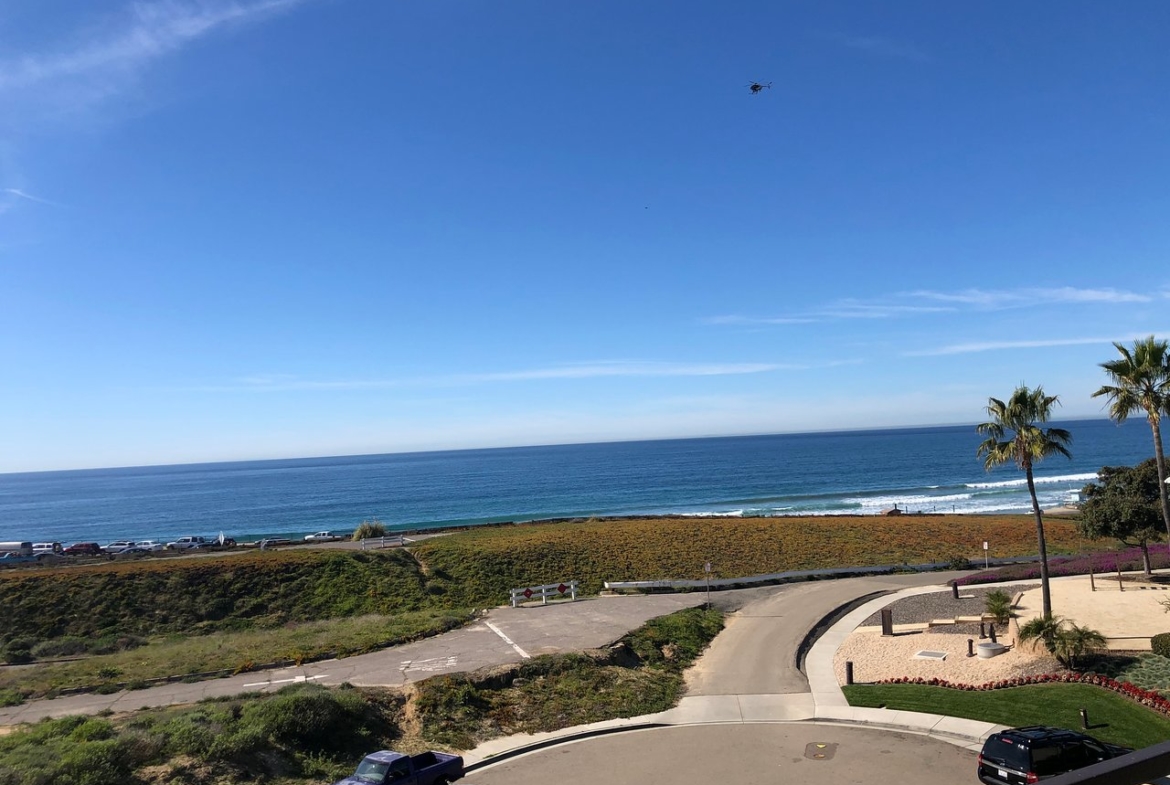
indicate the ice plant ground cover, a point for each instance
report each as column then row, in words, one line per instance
column 1101, row 562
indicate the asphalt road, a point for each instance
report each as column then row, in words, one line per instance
column 771, row 754
column 756, row 654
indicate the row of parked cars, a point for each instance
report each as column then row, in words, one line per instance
column 20, row 552
column 15, row 552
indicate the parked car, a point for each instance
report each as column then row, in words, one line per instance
column 119, row 546
column 19, row 548
column 1024, row 755
column 83, row 549
column 8, row 558
column 272, row 542
column 149, row 545
column 187, row 543
column 427, row 768
column 323, row 537
column 46, row 547
column 217, row 542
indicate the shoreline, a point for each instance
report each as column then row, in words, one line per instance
column 250, row 539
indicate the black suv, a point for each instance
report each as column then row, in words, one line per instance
column 1024, row 755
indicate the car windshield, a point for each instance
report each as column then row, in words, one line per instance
column 1007, row 753
column 371, row 771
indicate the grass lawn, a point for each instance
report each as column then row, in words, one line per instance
column 179, row 655
column 1114, row 718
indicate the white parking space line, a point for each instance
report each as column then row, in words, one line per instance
column 431, row 665
column 508, row 640
column 296, row 680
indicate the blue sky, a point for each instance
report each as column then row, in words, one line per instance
column 273, row 228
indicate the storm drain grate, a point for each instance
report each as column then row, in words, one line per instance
column 930, row 655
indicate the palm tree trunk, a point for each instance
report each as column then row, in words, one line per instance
column 1160, row 460
column 1145, row 546
column 1045, row 591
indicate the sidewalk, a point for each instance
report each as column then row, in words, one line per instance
column 825, row 703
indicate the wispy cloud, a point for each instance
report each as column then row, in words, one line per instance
column 907, row 304
column 879, row 46
column 735, row 319
column 991, row 346
column 145, row 32
column 845, row 309
column 569, row 371
column 21, row 194
column 1019, row 298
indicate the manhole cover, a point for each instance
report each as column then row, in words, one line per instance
column 820, row 750
column 930, row 655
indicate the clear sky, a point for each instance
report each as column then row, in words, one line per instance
column 276, row 228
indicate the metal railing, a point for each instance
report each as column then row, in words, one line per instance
column 1151, row 764
column 554, row 590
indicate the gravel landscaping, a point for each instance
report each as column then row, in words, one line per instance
column 875, row 657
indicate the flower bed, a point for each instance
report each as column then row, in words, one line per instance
column 1145, row 697
column 1103, row 562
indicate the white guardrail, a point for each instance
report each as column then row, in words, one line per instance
column 796, row 575
column 396, row 540
column 554, row 590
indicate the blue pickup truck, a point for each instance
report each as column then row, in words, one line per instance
column 387, row 768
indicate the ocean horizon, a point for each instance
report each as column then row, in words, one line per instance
column 920, row 469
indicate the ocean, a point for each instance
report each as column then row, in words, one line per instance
column 933, row 470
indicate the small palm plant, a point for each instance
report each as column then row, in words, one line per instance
column 998, row 605
column 1066, row 640
column 1077, row 641
column 1041, row 630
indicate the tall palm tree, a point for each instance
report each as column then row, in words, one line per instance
column 1141, row 382
column 1014, row 435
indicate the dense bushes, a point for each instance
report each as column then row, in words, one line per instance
column 302, row 730
column 113, row 603
column 1160, row 644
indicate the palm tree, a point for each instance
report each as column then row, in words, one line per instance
column 1014, row 435
column 1141, row 382
column 1076, row 641
column 1042, row 629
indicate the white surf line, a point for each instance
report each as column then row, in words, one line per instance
column 508, row 640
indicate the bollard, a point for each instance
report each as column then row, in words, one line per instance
column 887, row 622
column 982, row 630
column 1084, row 719
column 991, row 632
column 970, row 647
column 849, row 672
column 955, row 590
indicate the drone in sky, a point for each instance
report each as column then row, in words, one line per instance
column 759, row 87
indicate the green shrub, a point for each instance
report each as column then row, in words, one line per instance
column 673, row 642
column 96, row 763
column 1160, row 644
column 11, row 697
column 998, row 605
column 306, row 717
column 371, row 528
column 18, row 651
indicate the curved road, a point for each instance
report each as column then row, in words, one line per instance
column 761, row 754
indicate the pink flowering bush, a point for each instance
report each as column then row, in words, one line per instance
column 1137, row 694
column 1101, row 563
